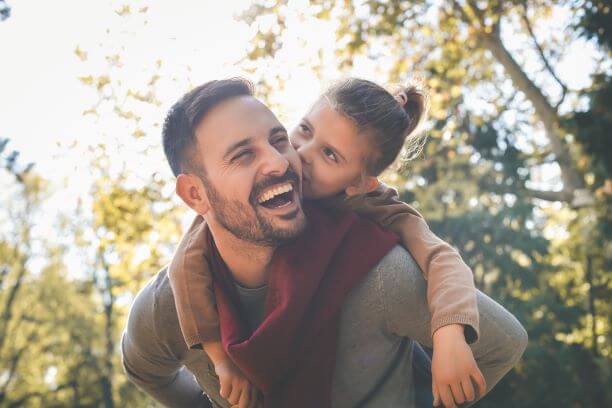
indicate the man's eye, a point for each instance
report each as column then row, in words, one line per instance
column 281, row 140
column 330, row 154
column 241, row 155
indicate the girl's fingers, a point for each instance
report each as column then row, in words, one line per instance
column 252, row 397
column 447, row 397
column 436, row 395
column 234, row 396
column 243, row 401
column 457, row 393
column 226, row 389
column 481, row 384
column 468, row 388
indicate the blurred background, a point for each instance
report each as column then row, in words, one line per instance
column 516, row 172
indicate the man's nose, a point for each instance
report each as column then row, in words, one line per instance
column 275, row 163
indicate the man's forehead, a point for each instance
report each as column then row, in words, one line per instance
column 233, row 117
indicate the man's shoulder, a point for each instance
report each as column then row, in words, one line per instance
column 397, row 278
column 394, row 264
column 153, row 312
column 395, row 269
column 156, row 295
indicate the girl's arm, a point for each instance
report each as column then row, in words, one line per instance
column 192, row 285
column 451, row 293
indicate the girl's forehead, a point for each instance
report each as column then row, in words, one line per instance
column 327, row 117
column 337, row 130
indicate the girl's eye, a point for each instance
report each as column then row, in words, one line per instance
column 304, row 128
column 330, row 154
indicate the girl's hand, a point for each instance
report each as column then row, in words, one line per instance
column 453, row 368
column 235, row 388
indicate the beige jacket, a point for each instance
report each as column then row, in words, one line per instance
column 451, row 293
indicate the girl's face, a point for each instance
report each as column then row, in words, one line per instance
column 333, row 153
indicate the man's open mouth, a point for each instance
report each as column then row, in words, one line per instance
column 277, row 196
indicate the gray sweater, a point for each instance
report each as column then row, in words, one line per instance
column 380, row 319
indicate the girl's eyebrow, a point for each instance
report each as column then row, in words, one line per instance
column 308, row 123
column 330, row 146
column 336, row 151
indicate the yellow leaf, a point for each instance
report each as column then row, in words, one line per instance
column 80, row 53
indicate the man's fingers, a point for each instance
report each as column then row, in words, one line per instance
column 447, row 397
column 481, row 384
column 457, row 393
column 468, row 388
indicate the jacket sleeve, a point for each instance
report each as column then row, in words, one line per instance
column 451, row 293
column 192, row 284
column 401, row 293
column 151, row 365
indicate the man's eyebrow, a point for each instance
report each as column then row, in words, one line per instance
column 237, row 145
column 277, row 129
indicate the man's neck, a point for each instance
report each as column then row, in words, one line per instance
column 247, row 262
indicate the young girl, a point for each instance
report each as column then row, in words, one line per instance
column 350, row 135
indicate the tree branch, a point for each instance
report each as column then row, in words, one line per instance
column 20, row 402
column 8, row 307
column 563, row 195
column 543, row 57
column 572, row 179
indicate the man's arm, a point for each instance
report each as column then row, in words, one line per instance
column 150, row 364
column 403, row 294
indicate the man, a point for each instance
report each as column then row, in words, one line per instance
column 228, row 151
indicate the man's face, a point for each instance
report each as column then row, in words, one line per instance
column 252, row 174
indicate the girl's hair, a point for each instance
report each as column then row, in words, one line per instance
column 388, row 120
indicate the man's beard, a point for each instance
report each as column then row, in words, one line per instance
column 248, row 222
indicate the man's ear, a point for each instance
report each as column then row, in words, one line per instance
column 362, row 185
column 191, row 190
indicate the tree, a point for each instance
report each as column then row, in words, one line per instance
column 46, row 319
column 461, row 41
column 128, row 224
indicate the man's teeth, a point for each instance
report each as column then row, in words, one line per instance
column 270, row 194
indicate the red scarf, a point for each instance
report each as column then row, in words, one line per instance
column 291, row 356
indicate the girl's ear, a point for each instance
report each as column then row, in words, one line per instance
column 362, row 185
column 191, row 190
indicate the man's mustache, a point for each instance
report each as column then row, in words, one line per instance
column 289, row 176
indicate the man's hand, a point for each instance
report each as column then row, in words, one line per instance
column 453, row 368
column 235, row 388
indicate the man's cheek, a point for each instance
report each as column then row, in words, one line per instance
column 295, row 161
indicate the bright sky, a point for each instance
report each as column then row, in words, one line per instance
column 41, row 98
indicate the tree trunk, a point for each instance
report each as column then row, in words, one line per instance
column 591, row 301
column 572, row 179
column 107, row 384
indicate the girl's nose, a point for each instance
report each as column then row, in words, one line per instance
column 305, row 153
